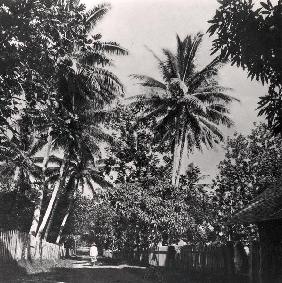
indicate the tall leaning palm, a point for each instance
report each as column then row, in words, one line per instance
column 84, row 83
column 81, row 173
column 84, row 86
column 188, row 106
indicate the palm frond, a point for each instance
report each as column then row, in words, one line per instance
column 211, row 132
column 220, row 108
column 148, row 81
column 205, row 74
column 180, row 55
column 171, row 64
column 109, row 47
column 215, row 97
column 162, row 66
column 156, row 113
column 192, row 102
column 93, row 148
column 219, row 118
column 100, row 136
column 96, row 14
column 98, row 179
column 95, row 58
column 7, row 152
column 103, row 77
column 36, row 146
column 190, row 50
column 90, row 185
column 166, row 124
column 213, row 87
column 192, row 124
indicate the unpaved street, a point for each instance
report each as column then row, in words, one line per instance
column 82, row 272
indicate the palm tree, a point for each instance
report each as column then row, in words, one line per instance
column 188, row 106
column 83, row 86
column 81, row 173
column 77, row 140
column 65, row 93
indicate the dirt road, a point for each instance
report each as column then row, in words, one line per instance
column 81, row 271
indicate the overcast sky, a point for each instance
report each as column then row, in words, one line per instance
column 154, row 23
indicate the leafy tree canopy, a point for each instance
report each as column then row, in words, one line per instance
column 55, row 82
column 142, row 207
column 132, row 215
column 250, row 165
column 251, row 37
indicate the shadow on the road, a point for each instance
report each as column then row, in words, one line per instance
column 107, row 271
column 97, row 274
column 9, row 270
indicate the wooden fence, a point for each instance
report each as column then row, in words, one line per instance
column 16, row 245
column 205, row 260
column 226, row 261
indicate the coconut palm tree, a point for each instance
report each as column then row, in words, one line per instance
column 77, row 140
column 81, row 173
column 68, row 89
column 82, row 85
column 188, row 105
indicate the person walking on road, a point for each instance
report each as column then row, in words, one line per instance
column 93, row 252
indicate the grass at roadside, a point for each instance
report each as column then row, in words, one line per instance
column 10, row 272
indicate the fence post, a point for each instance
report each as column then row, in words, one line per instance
column 254, row 262
column 229, row 261
column 170, row 257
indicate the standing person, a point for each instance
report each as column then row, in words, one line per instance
column 93, row 252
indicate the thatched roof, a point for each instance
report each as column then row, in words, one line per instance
column 267, row 206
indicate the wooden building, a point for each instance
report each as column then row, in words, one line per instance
column 266, row 212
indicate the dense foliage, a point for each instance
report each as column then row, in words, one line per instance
column 55, row 83
column 136, row 215
column 142, row 208
column 250, row 165
column 251, row 37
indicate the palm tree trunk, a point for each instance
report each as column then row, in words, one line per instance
column 50, row 219
column 64, row 223
column 40, row 190
column 67, row 213
column 175, row 158
column 181, row 145
column 37, row 212
column 52, row 200
column 47, row 153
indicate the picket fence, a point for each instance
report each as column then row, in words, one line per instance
column 16, row 245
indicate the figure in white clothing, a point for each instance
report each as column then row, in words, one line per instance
column 93, row 252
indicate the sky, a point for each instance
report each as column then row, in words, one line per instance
column 141, row 24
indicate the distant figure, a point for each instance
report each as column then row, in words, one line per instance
column 93, row 252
